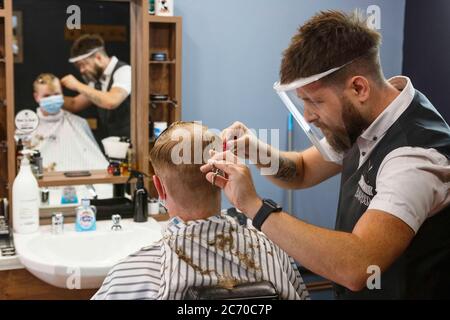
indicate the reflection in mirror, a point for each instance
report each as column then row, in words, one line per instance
column 65, row 199
column 17, row 37
column 64, row 140
column 77, row 80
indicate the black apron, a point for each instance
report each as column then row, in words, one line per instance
column 423, row 270
column 115, row 122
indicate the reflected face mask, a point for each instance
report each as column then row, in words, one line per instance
column 52, row 104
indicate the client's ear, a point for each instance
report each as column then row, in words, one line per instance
column 159, row 187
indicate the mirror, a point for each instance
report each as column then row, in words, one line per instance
column 17, row 37
column 94, row 87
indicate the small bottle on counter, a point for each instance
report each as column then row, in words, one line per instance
column 153, row 208
column 130, row 158
column 110, row 168
column 140, row 198
column 151, row 6
column 116, row 170
column 124, row 169
column 85, row 217
column 57, row 223
column 45, row 196
column 37, row 160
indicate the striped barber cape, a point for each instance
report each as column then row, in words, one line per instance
column 214, row 251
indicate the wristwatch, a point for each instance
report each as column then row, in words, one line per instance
column 269, row 206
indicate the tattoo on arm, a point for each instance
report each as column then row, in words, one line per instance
column 115, row 97
column 94, row 98
column 287, row 170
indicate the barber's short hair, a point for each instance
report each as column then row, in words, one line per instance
column 87, row 43
column 185, row 177
column 331, row 39
column 45, row 79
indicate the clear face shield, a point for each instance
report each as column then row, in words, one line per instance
column 296, row 106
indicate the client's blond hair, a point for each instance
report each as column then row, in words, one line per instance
column 46, row 79
column 184, row 180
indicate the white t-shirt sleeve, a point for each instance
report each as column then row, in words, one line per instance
column 412, row 184
column 122, row 78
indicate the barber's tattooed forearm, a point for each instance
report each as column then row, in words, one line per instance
column 94, row 98
column 287, row 169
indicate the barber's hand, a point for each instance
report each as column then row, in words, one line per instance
column 71, row 83
column 244, row 143
column 238, row 187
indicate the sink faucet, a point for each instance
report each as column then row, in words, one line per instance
column 92, row 191
column 116, row 219
column 57, row 223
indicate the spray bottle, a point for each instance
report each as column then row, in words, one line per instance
column 140, row 197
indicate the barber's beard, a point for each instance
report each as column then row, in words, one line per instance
column 342, row 139
column 93, row 76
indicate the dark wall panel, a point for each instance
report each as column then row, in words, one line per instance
column 426, row 56
column 44, row 46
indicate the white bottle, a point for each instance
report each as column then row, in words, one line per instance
column 164, row 7
column 25, row 200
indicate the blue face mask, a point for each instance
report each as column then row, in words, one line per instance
column 52, row 104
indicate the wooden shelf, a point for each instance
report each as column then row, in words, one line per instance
column 162, row 62
column 155, row 103
column 55, row 179
column 154, row 34
column 2, row 13
column 161, row 19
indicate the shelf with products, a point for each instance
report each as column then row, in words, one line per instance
column 159, row 83
column 162, row 62
column 164, row 43
column 54, row 179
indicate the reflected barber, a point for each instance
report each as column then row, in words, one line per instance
column 108, row 86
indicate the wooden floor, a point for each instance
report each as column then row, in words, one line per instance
column 22, row 285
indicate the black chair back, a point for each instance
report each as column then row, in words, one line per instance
column 263, row 290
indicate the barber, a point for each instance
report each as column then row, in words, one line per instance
column 108, row 86
column 390, row 146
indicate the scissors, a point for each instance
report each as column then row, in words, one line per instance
column 218, row 172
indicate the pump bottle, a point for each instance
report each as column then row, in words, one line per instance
column 140, row 198
column 25, row 200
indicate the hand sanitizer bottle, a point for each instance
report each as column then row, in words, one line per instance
column 85, row 219
column 25, row 200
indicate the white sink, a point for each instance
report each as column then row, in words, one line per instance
column 81, row 260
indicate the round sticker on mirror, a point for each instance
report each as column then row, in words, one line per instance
column 27, row 121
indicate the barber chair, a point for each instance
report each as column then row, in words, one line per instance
column 263, row 290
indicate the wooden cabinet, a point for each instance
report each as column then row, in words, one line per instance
column 21, row 285
column 164, row 76
column 154, row 34
column 7, row 144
